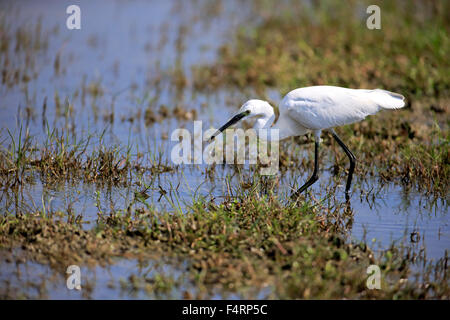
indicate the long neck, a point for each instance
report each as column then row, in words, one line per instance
column 265, row 123
column 269, row 135
column 283, row 126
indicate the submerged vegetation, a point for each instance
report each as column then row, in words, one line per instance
column 86, row 176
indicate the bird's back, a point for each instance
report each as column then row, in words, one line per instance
column 323, row 107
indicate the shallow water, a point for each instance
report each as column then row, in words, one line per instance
column 124, row 56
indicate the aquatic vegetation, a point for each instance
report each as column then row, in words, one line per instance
column 61, row 158
column 251, row 242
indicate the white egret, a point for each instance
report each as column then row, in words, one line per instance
column 315, row 109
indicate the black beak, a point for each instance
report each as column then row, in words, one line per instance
column 230, row 122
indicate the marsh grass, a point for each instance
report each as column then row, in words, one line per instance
column 251, row 242
column 61, row 157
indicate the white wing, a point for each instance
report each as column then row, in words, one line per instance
column 323, row 107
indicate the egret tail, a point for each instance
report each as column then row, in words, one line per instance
column 387, row 99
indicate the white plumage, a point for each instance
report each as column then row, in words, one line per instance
column 324, row 107
column 315, row 109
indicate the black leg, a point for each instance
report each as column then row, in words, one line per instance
column 352, row 158
column 315, row 175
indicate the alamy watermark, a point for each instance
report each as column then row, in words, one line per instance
column 374, row 20
column 374, row 279
column 74, row 19
column 195, row 148
column 74, row 279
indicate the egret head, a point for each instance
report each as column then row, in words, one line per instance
column 252, row 108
